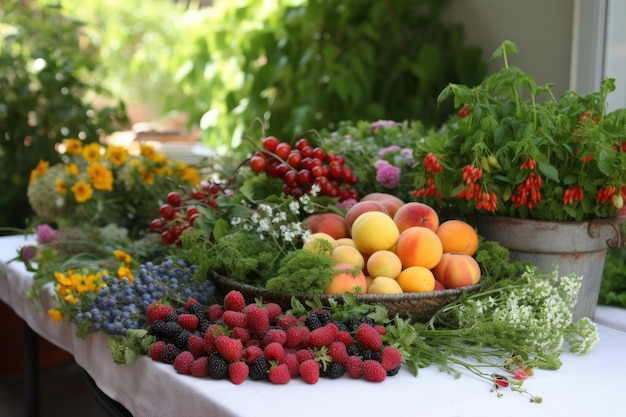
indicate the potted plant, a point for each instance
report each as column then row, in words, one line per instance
column 514, row 152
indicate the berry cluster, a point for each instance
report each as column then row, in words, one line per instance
column 121, row 305
column 303, row 166
column 238, row 341
column 474, row 191
column 179, row 214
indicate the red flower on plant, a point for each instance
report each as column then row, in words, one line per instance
column 572, row 194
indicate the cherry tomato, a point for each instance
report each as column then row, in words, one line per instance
column 174, row 199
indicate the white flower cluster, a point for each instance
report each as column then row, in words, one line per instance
column 539, row 311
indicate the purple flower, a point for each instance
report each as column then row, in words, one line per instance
column 381, row 123
column 45, row 233
column 27, row 253
column 346, row 204
column 386, row 174
column 385, row 151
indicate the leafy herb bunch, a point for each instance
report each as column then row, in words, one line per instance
column 510, row 153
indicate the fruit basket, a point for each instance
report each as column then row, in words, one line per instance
column 418, row 306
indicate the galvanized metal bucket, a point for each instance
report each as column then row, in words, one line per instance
column 576, row 247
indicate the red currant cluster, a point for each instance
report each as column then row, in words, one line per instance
column 179, row 214
column 303, row 166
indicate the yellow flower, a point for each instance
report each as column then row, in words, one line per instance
column 159, row 158
column 122, row 256
column 82, row 191
column 190, row 174
column 147, row 150
column 73, row 146
column 148, row 177
column 60, row 186
column 100, row 176
column 117, row 155
column 125, row 272
column 83, row 283
column 39, row 171
column 55, row 314
column 91, row 152
column 71, row 298
column 62, row 279
column 72, row 169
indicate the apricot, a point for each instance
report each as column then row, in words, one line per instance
column 384, row 263
column 458, row 236
column 320, row 242
column 362, row 207
column 416, row 279
column 348, row 254
column 373, row 231
column 347, row 278
column 419, row 246
column 384, row 285
column 346, row 241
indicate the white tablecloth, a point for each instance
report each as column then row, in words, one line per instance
column 590, row 385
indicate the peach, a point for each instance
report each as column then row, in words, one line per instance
column 458, row 236
column 416, row 214
column 346, row 241
column 332, row 224
column 362, row 207
column 384, row 263
column 391, row 202
column 374, row 231
column 348, row 254
column 419, row 246
column 347, row 278
column 439, row 286
column 457, row 270
column 416, row 279
column 320, row 242
column 384, row 285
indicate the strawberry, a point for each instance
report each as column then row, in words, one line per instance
column 367, row 336
column 195, row 345
column 238, row 372
column 158, row 311
column 323, row 336
column 279, row 374
column 286, row 321
column 337, row 351
column 310, row 371
column 258, row 320
column 200, row 367
column 390, row 358
column 188, row 321
column 251, row 353
column 230, row 349
column 155, row 350
column 242, row 334
column 373, row 371
column 182, row 363
column 235, row 319
column 215, row 312
column 274, row 352
column 273, row 311
column 291, row 361
column 274, row 335
column 234, row 301
column 353, row 366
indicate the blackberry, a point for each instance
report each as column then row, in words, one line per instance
column 181, row 339
column 199, row 311
column 169, row 353
column 393, row 371
column 203, row 325
column 353, row 322
column 259, row 369
column 368, row 320
column 325, row 316
column 333, row 370
column 171, row 329
column 312, row 321
column 341, row 326
column 366, row 353
column 157, row 328
column 353, row 350
column 218, row 367
column 377, row 356
column 173, row 316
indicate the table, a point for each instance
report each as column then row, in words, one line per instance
column 584, row 386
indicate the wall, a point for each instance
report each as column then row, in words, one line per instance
column 541, row 29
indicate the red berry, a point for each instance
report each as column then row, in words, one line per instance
column 338, row 352
column 158, row 311
column 195, row 345
column 238, row 372
column 294, row 159
column 354, row 366
column 235, row 319
column 155, row 350
column 200, row 367
column 252, row 353
column 188, row 321
column 230, row 349
column 282, row 150
column 291, row 361
column 279, row 374
column 234, row 301
column 167, row 211
column 182, row 363
column 270, row 143
column 391, row 358
column 301, row 143
column 310, row 371
column 373, row 371
column 258, row 164
column 323, row 336
column 258, row 320
column 174, row 199
column 274, row 351
column 274, row 335
column 215, row 312
column 157, row 225
column 367, row 336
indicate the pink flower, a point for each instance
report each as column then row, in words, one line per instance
column 45, row 233
column 381, row 123
column 385, row 151
column 28, row 253
column 520, row 374
column 386, row 174
column 346, row 204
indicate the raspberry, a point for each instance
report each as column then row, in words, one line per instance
column 258, row 320
column 215, row 312
column 274, row 352
column 310, row 371
column 274, row 335
column 279, row 374
column 295, row 336
column 252, row 353
column 230, row 349
column 373, row 371
column 195, row 345
column 323, row 336
column 353, row 366
column 155, row 350
column 390, row 358
column 200, row 367
column 291, row 361
column 367, row 336
column 382, row 330
column 182, row 363
column 242, row 334
column 238, row 372
column 286, row 321
column 188, row 321
column 338, row 352
column 304, row 354
column 158, row 311
column 234, row 319
column 273, row 311
column 345, row 337
column 190, row 301
column 234, row 301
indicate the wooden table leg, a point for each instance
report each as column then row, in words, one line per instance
column 31, row 371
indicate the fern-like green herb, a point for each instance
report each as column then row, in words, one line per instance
column 302, row 271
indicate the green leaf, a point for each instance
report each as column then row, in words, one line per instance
column 549, row 171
